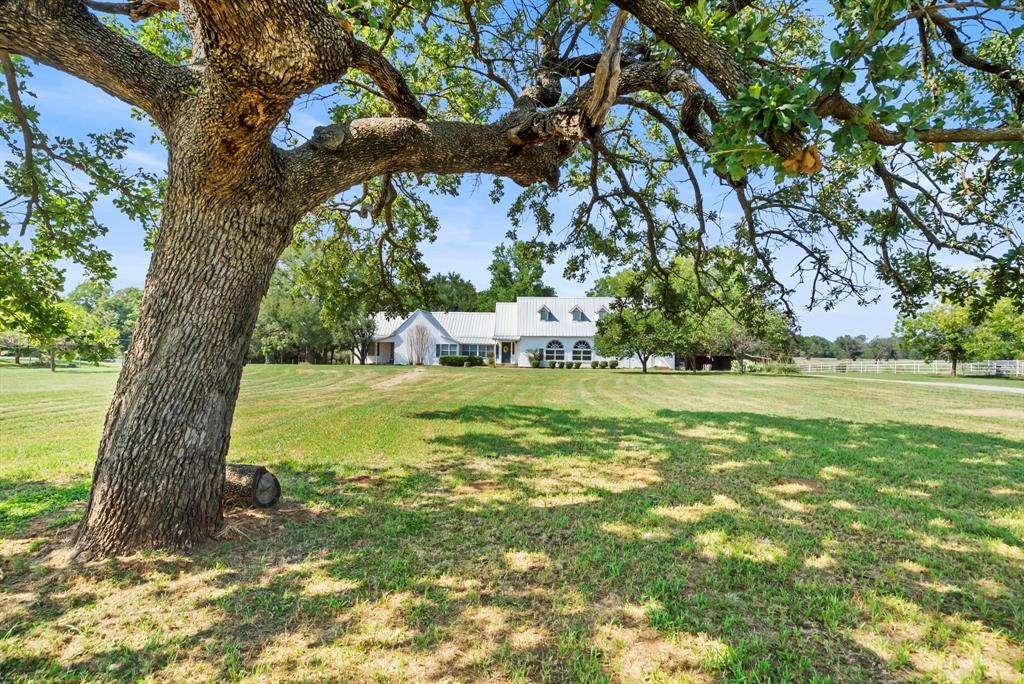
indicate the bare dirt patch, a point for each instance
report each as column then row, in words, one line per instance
column 251, row 524
column 401, row 378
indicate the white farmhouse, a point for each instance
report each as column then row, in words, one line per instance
column 562, row 328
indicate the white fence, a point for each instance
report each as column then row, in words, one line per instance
column 1005, row 368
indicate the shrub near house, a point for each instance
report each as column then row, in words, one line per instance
column 460, row 360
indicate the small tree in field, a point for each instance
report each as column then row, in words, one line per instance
column 941, row 330
column 81, row 338
column 357, row 334
column 630, row 332
column 14, row 341
column 1001, row 334
column 420, row 340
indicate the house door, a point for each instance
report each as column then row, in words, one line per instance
column 506, row 352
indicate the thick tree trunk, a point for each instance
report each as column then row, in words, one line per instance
column 159, row 475
column 17, row 357
column 53, row 362
column 953, row 363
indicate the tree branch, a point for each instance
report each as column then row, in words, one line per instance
column 11, row 78
column 965, row 56
column 388, row 79
column 696, row 47
column 838, row 107
column 526, row 145
column 137, row 10
column 64, row 35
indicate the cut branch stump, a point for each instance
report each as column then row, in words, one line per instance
column 250, row 486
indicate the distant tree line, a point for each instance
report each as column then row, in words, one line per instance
column 92, row 323
column 943, row 330
column 320, row 309
column 852, row 347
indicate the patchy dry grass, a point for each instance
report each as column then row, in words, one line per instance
column 506, row 525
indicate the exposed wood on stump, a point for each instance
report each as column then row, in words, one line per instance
column 250, row 486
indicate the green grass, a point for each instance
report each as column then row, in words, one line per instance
column 1016, row 382
column 516, row 525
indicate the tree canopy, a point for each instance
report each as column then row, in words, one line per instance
column 795, row 111
column 517, row 270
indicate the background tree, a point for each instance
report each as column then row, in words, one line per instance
column 574, row 102
column 850, row 346
column 118, row 310
column 451, row 292
column 725, row 335
column 88, row 294
column 357, row 335
column 517, row 270
column 83, row 337
column 1000, row 334
column 939, row 331
column 290, row 326
column 628, row 332
column 15, row 342
column 816, row 347
column 883, row 348
column 420, row 341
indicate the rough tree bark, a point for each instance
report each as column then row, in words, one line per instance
column 159, row 475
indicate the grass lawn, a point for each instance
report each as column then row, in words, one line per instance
column 515, row 525
column 1017, row 382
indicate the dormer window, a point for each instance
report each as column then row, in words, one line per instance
column 546, row 315
column 602, row 312
column 578, row 315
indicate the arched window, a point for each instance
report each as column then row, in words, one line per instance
column 581, row 351
column 554, row 351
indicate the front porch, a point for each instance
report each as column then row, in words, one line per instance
column 506, row 353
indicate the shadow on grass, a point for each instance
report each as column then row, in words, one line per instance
column 552, row 545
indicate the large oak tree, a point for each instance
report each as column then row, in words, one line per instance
column 796, row 113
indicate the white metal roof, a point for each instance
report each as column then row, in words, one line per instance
column 529, row 323
column 467, row 326
column 386, row 326
column 505, row 317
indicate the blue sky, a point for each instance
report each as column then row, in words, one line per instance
column 471, row 225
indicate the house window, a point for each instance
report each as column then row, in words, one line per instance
column 554, row 351
column 546, row 315
column 480, row 350
column 581, row 351
column 601, row 313
column 446, row 350
column 578, row 315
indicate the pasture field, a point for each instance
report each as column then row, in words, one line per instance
column 474, row 524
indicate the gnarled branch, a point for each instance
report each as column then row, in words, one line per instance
column 65, row 35
column 389, row 80
column 838, row 107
